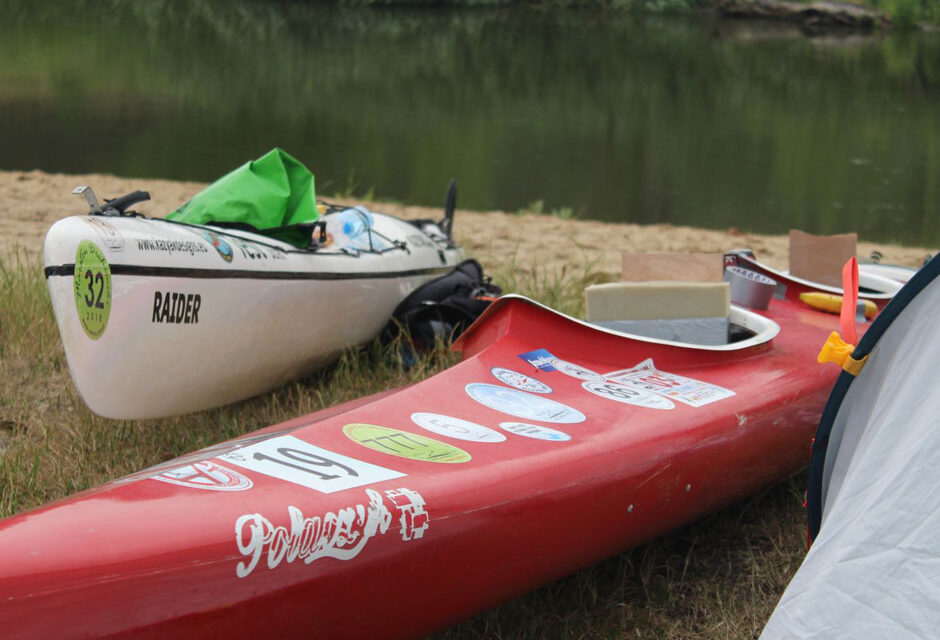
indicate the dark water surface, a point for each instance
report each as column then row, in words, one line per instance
column 615, row 117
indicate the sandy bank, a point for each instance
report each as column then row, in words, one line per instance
column 31, row 201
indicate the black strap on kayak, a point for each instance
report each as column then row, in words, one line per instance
column 441, row 309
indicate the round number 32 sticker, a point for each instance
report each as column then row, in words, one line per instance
column 92, row 289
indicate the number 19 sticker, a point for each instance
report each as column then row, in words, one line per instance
column 294, row 460
column 92, row 289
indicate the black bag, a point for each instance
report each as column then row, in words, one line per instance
column 443, row 308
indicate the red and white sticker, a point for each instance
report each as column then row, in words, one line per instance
column 413, row 518
column 646, row 377
column 520, row 380
column 627, row 394
column 576, row 371
column 205, row 475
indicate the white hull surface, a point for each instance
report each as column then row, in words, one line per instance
column 889, row 271
column 161, row 318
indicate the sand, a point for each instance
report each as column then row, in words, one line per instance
column 30, row 201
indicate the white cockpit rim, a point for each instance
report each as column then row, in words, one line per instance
column 764, row 329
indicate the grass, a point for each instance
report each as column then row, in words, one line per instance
column 718, row 578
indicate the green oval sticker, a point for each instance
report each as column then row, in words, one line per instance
column 404, row 444
column 92, row 289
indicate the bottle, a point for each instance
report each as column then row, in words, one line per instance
column 355, row 227
column 357, row 221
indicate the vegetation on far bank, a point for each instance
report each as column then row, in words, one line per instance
column 902, row 14
column 908, row 14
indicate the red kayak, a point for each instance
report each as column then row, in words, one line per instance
column 553, row 444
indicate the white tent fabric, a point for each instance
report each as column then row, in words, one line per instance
column 873, row 570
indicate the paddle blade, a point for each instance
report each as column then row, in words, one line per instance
column 450, row 204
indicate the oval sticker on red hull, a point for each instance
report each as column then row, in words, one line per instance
column 576, row 371
column 519, row 380
column 205, row 475
column 535, row 431
column 456, row 428
column 404, row 444
column 523, row 405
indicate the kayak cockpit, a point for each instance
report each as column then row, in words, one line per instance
column 692, row 314
column 747, row 329
column 744, row 329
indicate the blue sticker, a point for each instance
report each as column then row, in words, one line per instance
column 535, row 431
column 540, row 359
column 217, row 241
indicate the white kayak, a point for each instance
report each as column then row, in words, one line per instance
column 161, row 318
column 890, row 271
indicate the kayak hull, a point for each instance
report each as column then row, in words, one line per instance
column 552, row 445
column 160, row 318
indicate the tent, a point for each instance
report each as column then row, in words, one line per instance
column 873, row 570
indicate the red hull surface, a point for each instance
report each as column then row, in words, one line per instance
column 402, row 514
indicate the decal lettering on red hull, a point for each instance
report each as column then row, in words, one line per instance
column 340, row 535
column 414, row 519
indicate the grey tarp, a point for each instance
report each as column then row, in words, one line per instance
column 873, row 570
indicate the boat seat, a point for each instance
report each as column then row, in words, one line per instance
column 687, row 312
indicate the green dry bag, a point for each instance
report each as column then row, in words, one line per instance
column 273, row 195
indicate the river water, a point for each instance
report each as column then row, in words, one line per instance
column 687, row 120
